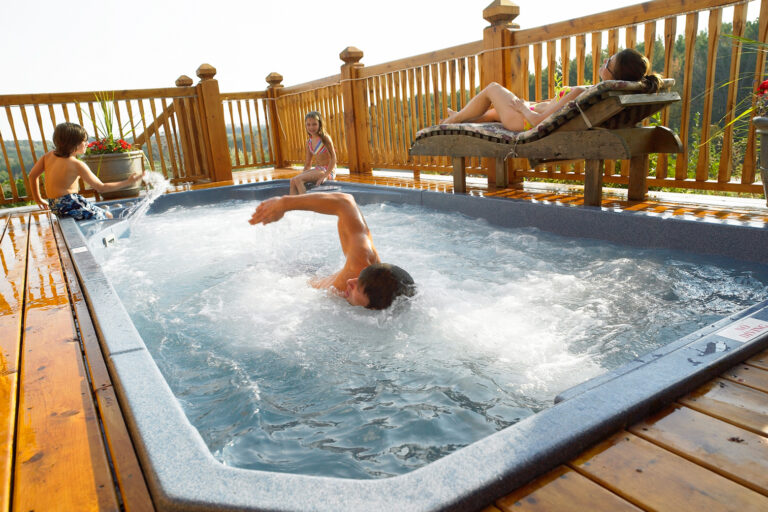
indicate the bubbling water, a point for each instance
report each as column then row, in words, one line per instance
column 279, row 376
column 156, row 185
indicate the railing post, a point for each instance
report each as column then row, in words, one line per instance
column 186, row 136
column 214, row 128
column 500, row 65
column 355, row 100
column 274, row 80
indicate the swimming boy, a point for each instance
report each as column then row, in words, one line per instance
column 363, row 280
column 62, row 168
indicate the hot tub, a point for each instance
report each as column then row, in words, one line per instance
column 184, row 475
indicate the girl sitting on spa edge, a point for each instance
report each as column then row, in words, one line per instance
column 495, row 103
column 320, row 148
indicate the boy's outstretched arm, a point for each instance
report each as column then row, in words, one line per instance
column 91, row 179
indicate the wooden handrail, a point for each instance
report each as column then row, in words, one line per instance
column 617, row 18
column 89, row 96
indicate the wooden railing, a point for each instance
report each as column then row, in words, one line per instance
column 181, row 130
column 372, row 113
column 385, row 105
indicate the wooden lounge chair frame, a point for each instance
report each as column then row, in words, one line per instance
column 602, row 124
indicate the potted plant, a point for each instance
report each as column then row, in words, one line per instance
column 110, row 158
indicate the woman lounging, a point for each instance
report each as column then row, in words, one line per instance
column 495, row 103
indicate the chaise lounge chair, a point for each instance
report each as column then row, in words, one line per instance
column 602, row 124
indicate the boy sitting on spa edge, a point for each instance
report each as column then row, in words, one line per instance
column 62, row 168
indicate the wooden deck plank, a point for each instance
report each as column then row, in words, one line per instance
column 731, row 451
column 130, row 479
column 748, row 375
column 565, row 490
column 743, row 406
column 760, row 360
column 60, row 459
column 13, row 256
column 654, row 478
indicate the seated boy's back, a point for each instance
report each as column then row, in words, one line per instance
column 61, row 174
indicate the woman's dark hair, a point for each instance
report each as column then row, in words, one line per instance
column 66, row 138
column 631, row 65
column 382, row 283
column 316, row 115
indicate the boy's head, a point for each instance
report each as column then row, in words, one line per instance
column 66, row 138
column 382, row 283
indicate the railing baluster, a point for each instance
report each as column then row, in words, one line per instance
column 750, row 156
column 691, row 28
column 725, row 168
column 702, row 164
column 537, row 49
column 670, row 28
column 40, row 127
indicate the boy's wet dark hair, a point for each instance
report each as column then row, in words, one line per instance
column 383, row 282
column 66, row 138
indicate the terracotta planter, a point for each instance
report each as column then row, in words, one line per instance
column 116, row 167
column 761, row 126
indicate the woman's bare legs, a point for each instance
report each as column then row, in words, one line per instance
column 505, row 104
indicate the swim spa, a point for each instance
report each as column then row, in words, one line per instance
column 184, row 474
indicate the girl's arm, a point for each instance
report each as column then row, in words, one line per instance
column 332, row 156
column 34, row 177
column 99, row 186
column 307, row 157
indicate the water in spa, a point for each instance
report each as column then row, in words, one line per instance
column 279, row 376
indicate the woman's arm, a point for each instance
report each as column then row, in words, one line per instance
column 536, row 117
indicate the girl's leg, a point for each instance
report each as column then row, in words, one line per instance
column 299, row 180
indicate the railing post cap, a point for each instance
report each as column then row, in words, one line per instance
column 206, row 72
column 501, row 12
column 274, row 79
column 351, row 55
column 184, row 81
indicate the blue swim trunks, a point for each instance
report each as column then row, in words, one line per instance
column 75, row 206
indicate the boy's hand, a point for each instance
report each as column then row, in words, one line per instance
column 136, row 177
column 268, row 211
column 42, row 204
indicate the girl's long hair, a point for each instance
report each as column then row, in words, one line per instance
column 630, row 64
column 320, row 132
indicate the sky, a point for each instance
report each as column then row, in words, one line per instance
column 105, row 45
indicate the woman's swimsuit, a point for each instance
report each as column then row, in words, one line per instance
column 75, row 206
column 559, row 94
column 316, row 150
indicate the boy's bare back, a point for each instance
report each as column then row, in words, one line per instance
column 61, row 174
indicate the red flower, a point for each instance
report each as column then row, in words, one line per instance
column 762, row 88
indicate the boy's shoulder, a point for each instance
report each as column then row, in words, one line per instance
column 70, row 163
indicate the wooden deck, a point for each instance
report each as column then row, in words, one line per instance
column 65, row 445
